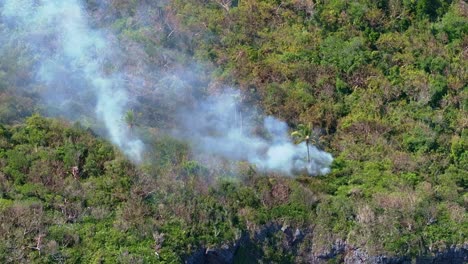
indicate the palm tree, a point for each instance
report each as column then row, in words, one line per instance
column 130, row 119
column 303, row 133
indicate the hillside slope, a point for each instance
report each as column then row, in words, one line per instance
column 383, row 84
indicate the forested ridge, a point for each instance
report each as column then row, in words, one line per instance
column 381, row 85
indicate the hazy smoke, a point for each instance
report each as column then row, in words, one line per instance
column 221, row 125
column 74, row 63
column 81, row 73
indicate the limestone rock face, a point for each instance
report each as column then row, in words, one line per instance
column 294, row 241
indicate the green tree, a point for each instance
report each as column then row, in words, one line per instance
column 130, row 119
column 303, row 133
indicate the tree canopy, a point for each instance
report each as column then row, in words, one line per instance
column 383, row 83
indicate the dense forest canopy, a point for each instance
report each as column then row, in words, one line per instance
column 381, row 85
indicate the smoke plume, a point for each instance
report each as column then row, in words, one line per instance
column 83, row 73
column 73, row 63
column 221, row 125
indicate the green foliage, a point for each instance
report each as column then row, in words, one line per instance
column 167, row 151
column 129, row 118
column 431, row 8
column 345, row 55
column 459, row 151
column 382, row 83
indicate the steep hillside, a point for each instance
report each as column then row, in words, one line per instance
column 381, row 85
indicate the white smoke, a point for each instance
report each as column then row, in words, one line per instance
column 221, row 125
column 80, row 71
column 72, row 62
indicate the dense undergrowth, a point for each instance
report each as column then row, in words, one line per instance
column 108, row 210
column 383, row 81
